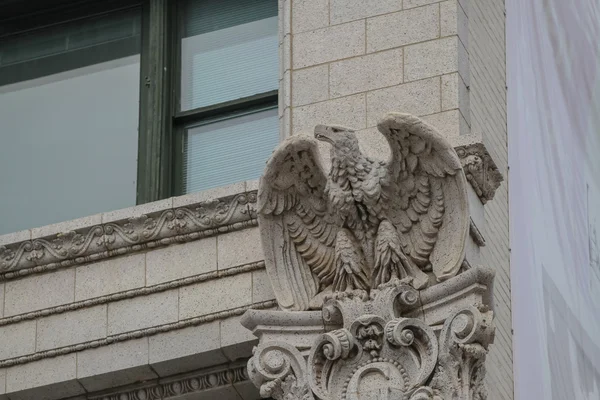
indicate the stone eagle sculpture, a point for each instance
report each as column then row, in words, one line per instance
column 367, row 222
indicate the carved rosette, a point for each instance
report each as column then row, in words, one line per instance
column 369, row 350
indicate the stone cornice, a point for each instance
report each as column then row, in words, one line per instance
column 177, row 386
column 139, row 333
column 145, row 231
column 128, row 294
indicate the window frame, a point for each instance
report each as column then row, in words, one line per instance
column 167, row 172
column 212, row 113
column 161, row 124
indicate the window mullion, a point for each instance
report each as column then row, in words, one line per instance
column 154, row 155
column 266, row 99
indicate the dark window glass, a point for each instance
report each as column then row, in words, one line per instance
column 69, row 107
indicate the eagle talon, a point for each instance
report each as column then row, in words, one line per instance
column 395, row 282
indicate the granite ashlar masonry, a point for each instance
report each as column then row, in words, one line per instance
column 157, row 292
column 414, row 59
column 399, row 46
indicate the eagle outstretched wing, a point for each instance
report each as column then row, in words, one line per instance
column 298, row 234
column 428, row 195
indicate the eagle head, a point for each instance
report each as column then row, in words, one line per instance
column 343, row 140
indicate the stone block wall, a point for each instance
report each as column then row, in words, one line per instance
column 487, row 55
column 349, row 62
column 140, row 311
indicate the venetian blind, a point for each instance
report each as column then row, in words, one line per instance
column 229, row 151
column 229, row 51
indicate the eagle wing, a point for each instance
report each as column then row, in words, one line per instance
column 297, row 232
column 429, row 205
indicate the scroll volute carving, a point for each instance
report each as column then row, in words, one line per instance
column 278, row 370
column 371, row 351
column 464, row 342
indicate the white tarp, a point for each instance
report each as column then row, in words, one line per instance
column 553, row 60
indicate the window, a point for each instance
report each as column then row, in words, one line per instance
column 228, row 57
column 107, row 104
column 69, row 101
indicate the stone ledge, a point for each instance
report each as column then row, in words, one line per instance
column 299, row 329
column 473, row 286
column 130, row 230
column 136, row 334
column 128, row 294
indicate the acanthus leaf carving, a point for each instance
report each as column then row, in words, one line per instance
column 395, row 357
column 127, row 235
column 464, row 342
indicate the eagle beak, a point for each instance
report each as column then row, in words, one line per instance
column 321, row 133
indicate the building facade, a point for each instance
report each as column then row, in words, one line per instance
column 145, row 302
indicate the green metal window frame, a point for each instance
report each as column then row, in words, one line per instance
column 160, row 160
column 161, row 125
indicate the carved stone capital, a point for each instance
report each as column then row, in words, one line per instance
column 379, row 248
column 480, row 169
column 380, row 345
column 464, row 341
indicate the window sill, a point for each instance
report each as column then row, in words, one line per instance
column 115, row 233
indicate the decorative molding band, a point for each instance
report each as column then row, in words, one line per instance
column 121, row 337
column 144, row 291
column 480, row 169
column 147, row 231
column 191, row 383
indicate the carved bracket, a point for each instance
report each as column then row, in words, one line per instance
column 480, row 170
